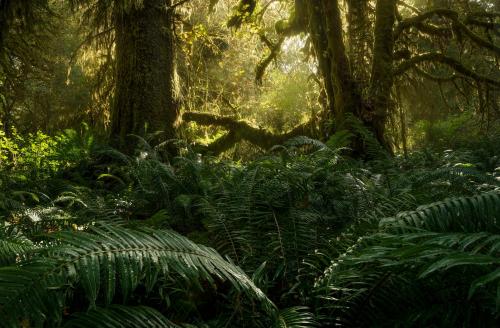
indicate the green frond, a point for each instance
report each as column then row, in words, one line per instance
column 295, row 317
column 119, row 316
column 13, row 245
column 445, row 254
column 303, row 141
column 468, row 214
column 104, row 261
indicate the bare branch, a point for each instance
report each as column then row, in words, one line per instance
column 264, row 63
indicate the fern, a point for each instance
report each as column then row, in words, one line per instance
column 13, row 245
column 445, row 253
column 477, row 213
column 295, row 317
column 120, row 316
column 103, row 261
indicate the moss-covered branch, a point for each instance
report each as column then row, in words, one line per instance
column 418, row 22
column 445, row 60
column 436, row 78
column 241, row 130
column 274, row 50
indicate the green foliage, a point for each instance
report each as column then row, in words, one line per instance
column 444, row 254
column 121, row 316
column 40, row 155
column 326, row 238
column 103, row 262
column 464, row 130
column 288, row 101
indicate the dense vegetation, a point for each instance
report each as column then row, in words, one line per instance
column 249, row 163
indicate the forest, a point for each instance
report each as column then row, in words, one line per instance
column 249, row 163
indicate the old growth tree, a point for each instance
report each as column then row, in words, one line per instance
column 386, row 43
column 139, row 36
column 364, row 51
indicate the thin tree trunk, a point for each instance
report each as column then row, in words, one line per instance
column 317, row 30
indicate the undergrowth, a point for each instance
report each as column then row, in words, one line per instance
column 302, row 236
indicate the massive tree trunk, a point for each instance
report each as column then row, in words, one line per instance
column 344, row 69
column 146, row 97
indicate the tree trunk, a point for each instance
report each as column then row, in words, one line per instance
column 347, row 97
column 325, row 28
column 146, row 96
column 382, row 79
column 342, row 78
column 359, row 40
column 317, row 30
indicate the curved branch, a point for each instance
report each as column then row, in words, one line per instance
column 446, row 60
column 435, row 78
column 412, row 8
column 477, row 39
column 241, row 130
column 418, row 19
column 264, row 63
column 418, row 22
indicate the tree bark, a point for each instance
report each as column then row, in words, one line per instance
column 325, row 27
column 382, row 79
column 146, row 96
column 359, row 39
column 317, row 30
column 346, row 93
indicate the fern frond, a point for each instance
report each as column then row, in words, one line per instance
column 119, row 316
column 295, row 317
column 13, row 244
column 444, row 253
column 468, row 214
column 105, row 260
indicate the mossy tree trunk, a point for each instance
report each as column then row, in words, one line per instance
column 146, row 97
column 382, row 80
column 360, row 40
column 325, row 28
column 345, row 82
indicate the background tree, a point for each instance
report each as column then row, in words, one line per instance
column 140, row 37
column 146, row 94
column 396, row 28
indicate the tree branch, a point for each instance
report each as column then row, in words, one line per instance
column 435, row 78
column 418, row 22
column 264, row 63
column 446, row 60
column 241, row 130
column 180, row 3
